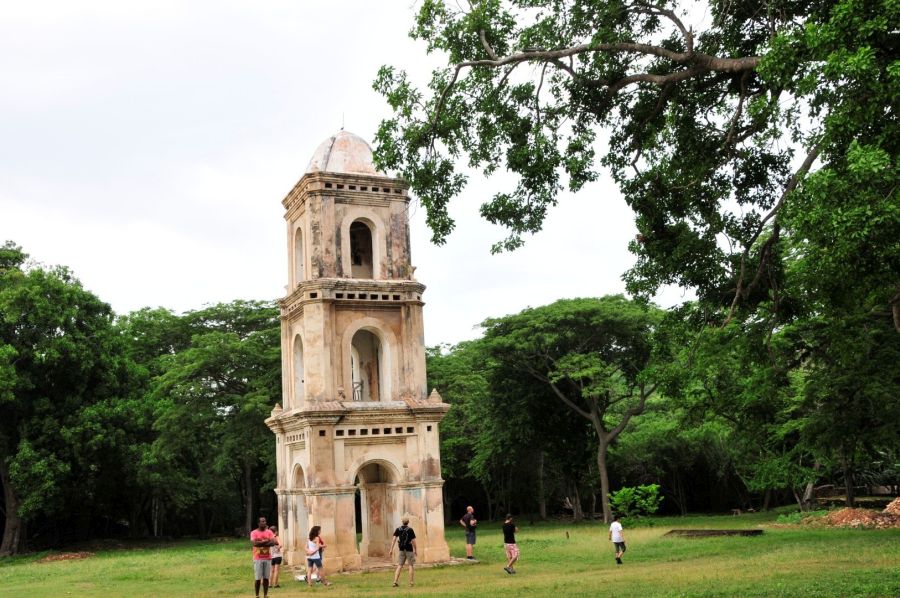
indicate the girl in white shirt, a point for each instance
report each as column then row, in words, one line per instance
column 314, row 547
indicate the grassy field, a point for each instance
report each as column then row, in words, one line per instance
column 784, row 561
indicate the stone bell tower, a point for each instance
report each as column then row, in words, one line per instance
column 357, row 437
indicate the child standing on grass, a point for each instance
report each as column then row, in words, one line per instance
column 617, row 537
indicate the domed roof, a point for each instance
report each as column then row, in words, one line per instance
column 344, row 153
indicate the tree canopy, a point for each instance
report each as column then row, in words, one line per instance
column 596, row 356
column 738, row 134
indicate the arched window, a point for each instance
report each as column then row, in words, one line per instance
column 361, row 251
column 299, row 394
column 368, row 367
column 298, row 256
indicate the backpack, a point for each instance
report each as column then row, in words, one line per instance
column 403, row 542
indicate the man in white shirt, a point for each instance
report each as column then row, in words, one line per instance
column 617, row 538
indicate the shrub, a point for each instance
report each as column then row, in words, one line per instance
column 636, row 501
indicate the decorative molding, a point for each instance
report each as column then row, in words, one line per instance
column 392, row 439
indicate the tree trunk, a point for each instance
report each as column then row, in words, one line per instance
column 806, row 501
column 848, row 482
column 577, row 512
column 767, row 498
column 448, row 516
column 604, row 480
column 248, row 498
column 13, row 533
column 209, row 528
column 542, row 498
column 201, row 523
column 154, row 509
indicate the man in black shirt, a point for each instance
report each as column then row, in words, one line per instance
column 509, row 541
column 405, row 538
column 468, row 521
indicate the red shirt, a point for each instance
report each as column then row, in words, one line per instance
column 262, row 553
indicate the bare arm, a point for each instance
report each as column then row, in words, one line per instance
column 393, row 541
column 415, row 549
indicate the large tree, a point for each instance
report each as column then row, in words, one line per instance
column 598, row 357
column 214, row 395
column 711, row 119
column 61, row 377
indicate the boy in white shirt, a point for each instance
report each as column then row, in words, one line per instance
column 617, row 538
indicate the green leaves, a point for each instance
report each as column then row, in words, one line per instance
column 636, row 501
column 706, row 147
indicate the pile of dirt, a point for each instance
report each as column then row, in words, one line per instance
column 863, row 518
column 894, row 507
column 66, row 556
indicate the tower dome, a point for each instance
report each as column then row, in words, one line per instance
column 343, row 153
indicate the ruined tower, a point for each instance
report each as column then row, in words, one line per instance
column 357, row 436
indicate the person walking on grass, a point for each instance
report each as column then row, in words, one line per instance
column 509, row 542
column 314, row 547
column 262, row 539
column 276, row 559
column 617, row 537
column 469, row 522
column 405, row 538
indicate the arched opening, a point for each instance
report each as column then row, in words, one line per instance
column 361, row 251
column 298, row 256
column 378, row 509
column 295, row 527
column 368, row 367
column 299, row 391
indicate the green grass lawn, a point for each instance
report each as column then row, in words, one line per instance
column 784, row 561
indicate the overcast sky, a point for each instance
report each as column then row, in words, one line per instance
column 148, row 146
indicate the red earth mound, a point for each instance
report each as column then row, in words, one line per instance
column 861, row 518
column 894, row 507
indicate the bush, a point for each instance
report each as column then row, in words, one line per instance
column 636, row 501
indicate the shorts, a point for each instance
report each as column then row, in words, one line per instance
column 470, row 537
column 512, row 551
column 276, row 560
column 262, row 569
column 314, row 563
column 620, row 546
column 406, row 556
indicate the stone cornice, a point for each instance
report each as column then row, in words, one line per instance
column 318, row 183
column 338, row 490
column 349, row 413
column 368, row 440
column 327, row 289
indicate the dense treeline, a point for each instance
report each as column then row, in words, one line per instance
column 151, row 424
column 736, row 417
column 146, row 425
